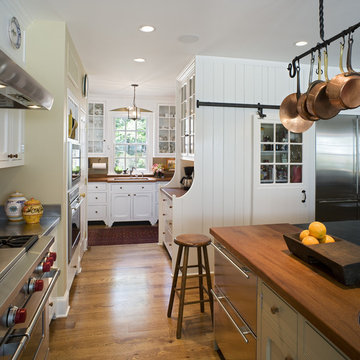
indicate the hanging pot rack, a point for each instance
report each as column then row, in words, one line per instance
column 292, row 67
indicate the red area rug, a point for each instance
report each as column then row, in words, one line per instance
column 121, row 235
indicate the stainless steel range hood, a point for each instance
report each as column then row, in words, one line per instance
column 18, row 90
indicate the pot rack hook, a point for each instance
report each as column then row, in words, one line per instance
column 292, row 68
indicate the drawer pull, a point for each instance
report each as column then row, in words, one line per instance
column 274, row 310
column 170, row 206
column 230, row 260
column 243, row 330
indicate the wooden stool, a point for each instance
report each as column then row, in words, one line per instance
column 187, row 241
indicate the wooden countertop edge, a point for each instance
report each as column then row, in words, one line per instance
column 169, row 192
column 110, row 179
column 349, row 345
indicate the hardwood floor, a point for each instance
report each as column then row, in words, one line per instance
column 118, row 310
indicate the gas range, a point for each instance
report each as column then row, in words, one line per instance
column 27, row 278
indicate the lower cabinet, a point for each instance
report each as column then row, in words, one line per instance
column 132, row 202
column 166, row 223
column 287, row 335
column 98, row 202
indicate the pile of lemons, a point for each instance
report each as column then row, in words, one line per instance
column 315, row 234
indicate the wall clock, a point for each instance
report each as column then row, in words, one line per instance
column 15, row 33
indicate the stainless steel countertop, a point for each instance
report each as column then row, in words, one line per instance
column 47, row 223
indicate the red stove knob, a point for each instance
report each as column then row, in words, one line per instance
column 38, row 285
column 46, row 266
column 53, row 255
column 33, row 285
column 50, row 260
column 15, row 316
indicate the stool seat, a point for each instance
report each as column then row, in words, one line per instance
column 192, row 240
column 185, row 242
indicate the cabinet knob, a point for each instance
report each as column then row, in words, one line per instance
column 120, row 187
column 134, row 194
column 51, row 304
column 96, row 197
column 170, row 206
column 142, row 187
column 96, row 212
column 274, row 309
column 128, row 194
column 10, row 156
column 83, row 195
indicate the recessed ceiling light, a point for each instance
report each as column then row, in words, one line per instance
column 139, row 60
column 146, row 28
column 301, row 43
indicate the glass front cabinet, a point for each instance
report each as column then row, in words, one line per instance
column 281, row 154
column 187, row 117
column 96, row 129
column 165, row 144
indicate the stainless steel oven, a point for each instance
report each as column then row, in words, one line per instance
column 27, row 279
column 74, row 221
column 74, row 164
column 235, row 294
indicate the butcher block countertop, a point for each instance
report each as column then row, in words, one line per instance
column 330, row 306
column 127, row 178
column 173, row 191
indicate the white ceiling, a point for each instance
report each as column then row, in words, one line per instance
column 107, row 38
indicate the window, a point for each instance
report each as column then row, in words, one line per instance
column 131, row 143
column 281, row 153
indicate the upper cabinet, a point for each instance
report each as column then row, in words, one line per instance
column 11, row 138
column 96, row 129
column 186, row 101
column 165, row 131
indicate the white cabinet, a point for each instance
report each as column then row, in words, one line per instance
column 165, row 131
column 285, row 334
column 187, row 114
column 132, row 202
column 166, row 222
column 98, row 202
column 11, row 138
column 96, row 129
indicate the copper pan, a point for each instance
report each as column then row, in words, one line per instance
column 343, row 90
column 289, row 116
column 317, row 103
column 301, row 103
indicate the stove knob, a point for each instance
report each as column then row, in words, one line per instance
column 50, row 260
column 15, row 316
column 53, row 255
column 39, row 285
column 43, row 267
column 33, row 285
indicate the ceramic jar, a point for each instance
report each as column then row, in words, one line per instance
column 14, row 206
column 32, row 211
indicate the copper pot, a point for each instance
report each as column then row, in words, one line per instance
column 301, row 103
column 317, row 103
column 289, row 115
column 343, row 90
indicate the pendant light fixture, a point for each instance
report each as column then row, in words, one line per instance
column 134, row 112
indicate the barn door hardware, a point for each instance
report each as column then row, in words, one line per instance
column 258, row 106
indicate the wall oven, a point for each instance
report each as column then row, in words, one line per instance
column 74, row 164
column 235, row 295
column 74, row 221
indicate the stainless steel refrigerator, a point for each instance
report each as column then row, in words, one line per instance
column 337, row 168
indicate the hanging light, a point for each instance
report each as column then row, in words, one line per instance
column 134, row 112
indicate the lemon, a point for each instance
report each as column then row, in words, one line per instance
column 303, row 234
column 310, row 240
column 317, row 230
column 327, row 239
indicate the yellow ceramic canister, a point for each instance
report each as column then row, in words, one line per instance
column 32, row 211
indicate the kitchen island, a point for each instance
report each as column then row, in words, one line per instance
column 329, row 306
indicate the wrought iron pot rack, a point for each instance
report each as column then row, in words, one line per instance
column 292, row 66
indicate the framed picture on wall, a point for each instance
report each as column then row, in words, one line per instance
column 170, row 164
column 73, row 119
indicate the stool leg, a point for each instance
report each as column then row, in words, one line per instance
column 174, row 282
column 182, row 292
column 201, row 289
column 208, row 279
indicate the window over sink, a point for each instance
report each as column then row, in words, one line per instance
column 131, row 143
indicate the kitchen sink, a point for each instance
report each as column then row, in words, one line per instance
column 131, row 178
